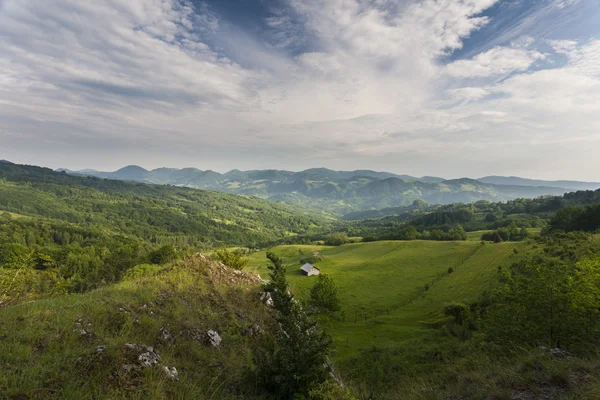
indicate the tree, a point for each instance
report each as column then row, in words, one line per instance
column 547, row 302
column 324, row 295
column 567, row 218
column 491, row 217
column 337, row 239
column 293, row 360
column 524, row 233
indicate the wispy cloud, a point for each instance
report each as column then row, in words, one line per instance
column 342, row 83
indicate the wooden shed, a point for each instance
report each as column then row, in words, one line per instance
column 310, row 270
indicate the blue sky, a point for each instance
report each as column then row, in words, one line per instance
column 432, row 87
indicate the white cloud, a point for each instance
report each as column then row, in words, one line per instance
column 171, row 83
column 497, row 61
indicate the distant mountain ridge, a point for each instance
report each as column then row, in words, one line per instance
column 344, row 192
column 514, row 180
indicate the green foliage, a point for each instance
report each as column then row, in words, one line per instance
column 330, row 391
column 15, row 256
column 575, row 218
column 549, row 302
column 505, row 234
column 459, row 311
column 337, row 239
column 142, row 270
column 324, row 295
column 293, row 360
column 158, row 214
column 314, row 258
column 232, row 259
column 164, row 254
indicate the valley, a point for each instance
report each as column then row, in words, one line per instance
column 97, row 273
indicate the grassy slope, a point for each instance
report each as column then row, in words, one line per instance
column 42, row 357
column 382, row 285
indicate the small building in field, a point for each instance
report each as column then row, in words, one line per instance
column 310, row 270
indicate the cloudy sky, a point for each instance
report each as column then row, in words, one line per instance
column 424, row 87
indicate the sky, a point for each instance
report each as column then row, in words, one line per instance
column 447, row 88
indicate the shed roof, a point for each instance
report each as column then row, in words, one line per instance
column 307, row 267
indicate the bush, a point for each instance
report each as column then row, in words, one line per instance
column 163, row 254
column 337, row 239
column 232, row 259
column 459, row 311
column 330, row 391
column 315, row 258
column 142, row 270
column 324, row 295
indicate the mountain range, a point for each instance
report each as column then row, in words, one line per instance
column 342, row 192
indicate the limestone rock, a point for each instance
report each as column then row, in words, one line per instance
column 212, row 338
column 171, row 373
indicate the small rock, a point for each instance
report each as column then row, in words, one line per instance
column 212, row 338
column 561, row 354
column 266, row 298
column 83, row 332
column 129, row 367
column 101, row 348
column 171, row 373
column 165, row 335
column 149, row 358
column 255, row 330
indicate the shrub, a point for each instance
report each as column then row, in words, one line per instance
column 142, row 270
column 163, row 254
column 330, row 391
column 324, row 294
column 459, row 311
column 232, row 259
column 337, row 239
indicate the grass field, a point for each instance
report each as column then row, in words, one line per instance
column 393, row 292
column 476, row 235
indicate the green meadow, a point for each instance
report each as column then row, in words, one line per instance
column 393, row 292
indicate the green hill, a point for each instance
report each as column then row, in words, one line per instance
column 151, row 212
column 91, row 346
column 383, row 284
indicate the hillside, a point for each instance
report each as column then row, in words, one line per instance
column 393, row 339
column 94, row 345
column 151, row 212
column 343, row 192
column 382, row 285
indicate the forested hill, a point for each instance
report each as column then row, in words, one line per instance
column 152, row 212
column 343, row 192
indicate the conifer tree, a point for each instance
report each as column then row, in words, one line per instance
column 294, row 360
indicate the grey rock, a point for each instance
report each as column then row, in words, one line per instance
column 171, row 373
column 101, row 348
column 561, row 354
column 165, row 335
column 149, row 358
column 266, row 298
column 212, row 338
column 129, row 367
